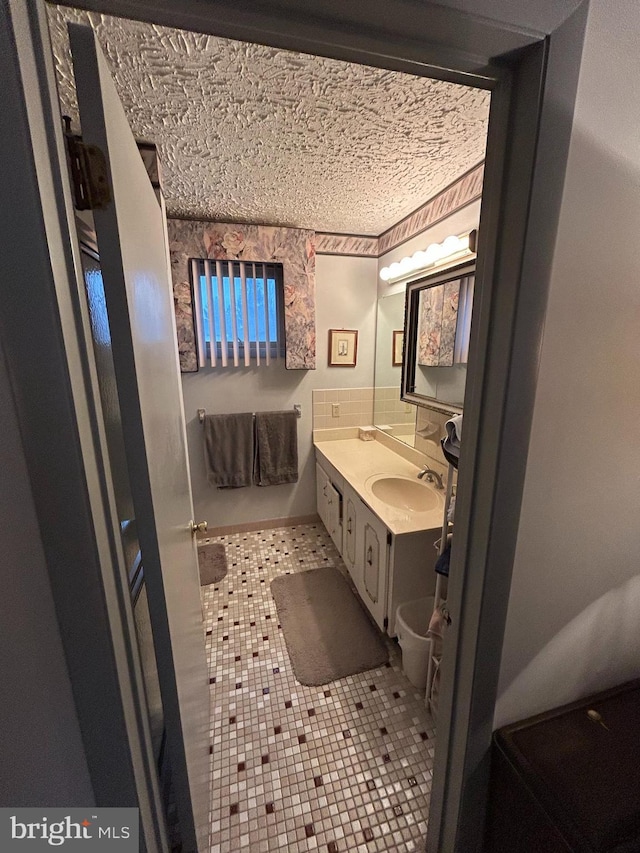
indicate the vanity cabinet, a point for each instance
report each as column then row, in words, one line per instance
column 328, row 502
column 387, row 569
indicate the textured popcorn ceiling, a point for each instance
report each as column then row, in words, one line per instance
column 248, row 133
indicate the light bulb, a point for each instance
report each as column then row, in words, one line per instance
column 450, row 246
column 433, row 253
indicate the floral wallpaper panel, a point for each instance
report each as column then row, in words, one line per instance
column 430, row 330
column 293, row 248
column 449, row 322
column 438, row 319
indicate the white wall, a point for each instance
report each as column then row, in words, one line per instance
column 43, row 762
column 574, row 610
column 390, row 319
column 346, row 293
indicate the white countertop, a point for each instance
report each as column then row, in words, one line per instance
column 361, row 462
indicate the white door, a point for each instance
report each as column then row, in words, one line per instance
column 135, row 269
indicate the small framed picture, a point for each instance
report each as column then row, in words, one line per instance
column 396, row 350
column 343, row 347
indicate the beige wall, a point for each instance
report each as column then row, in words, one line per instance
column 574, row 609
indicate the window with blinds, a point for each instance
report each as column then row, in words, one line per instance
column 239, row 312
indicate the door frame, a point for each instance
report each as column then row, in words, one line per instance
column 45, row 332
column 533, row 80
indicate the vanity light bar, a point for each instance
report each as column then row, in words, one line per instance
column 434, row 256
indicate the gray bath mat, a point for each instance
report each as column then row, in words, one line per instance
column 327, row 632
column 212, row 561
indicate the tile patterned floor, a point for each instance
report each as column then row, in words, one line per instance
column 345, row 767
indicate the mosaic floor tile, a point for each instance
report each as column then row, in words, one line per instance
column 339, row 768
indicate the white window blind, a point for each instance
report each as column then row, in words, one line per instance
column 463, row 326
column 239, row 312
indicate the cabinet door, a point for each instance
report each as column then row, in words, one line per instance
column 374, row 565
column 322, row 502
column 334, row 527
column 328, row 504
column 371, row 563
column 349, row 535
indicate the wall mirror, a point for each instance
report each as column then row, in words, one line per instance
column 390, row 413
column 436, row 334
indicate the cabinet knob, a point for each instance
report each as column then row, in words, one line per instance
column 200, row 527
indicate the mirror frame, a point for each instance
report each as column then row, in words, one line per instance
column 411, row 317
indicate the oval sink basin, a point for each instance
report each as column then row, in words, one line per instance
column 405, row 494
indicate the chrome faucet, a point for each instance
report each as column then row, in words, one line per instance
column 432, row 476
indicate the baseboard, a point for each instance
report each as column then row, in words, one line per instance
column 267, row 524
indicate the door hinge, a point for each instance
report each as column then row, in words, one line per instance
column 385, row 623
column 88, row 168
column 389, row 537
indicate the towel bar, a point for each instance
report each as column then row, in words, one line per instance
column 202, row 412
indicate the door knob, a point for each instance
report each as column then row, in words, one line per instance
column 201, row 527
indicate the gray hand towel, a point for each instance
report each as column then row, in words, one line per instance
column 276, row 448
column 451, row 441
column 228, row 450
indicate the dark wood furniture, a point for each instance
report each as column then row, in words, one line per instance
column 569, row 779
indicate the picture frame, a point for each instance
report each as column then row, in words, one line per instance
column 343, row 347
column 397, row 347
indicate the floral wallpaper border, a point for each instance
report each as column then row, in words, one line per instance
column 457, row 195
column 346, row 244
column 462, row 192
column 293, row 248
